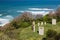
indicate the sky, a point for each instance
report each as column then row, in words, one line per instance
column 12, row 8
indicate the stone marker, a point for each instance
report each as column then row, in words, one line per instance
column 53, row 21
column 41, row 30
column 41, row 23
column 38, row 24
column 45, row 23
column 33, row 26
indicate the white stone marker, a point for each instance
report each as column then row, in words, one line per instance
column 45, row 23
column 53, row 21
column 41, row 23
column 41, row 30
column 33, row 27
column 38, row 24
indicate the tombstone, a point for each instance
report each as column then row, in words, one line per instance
column 38, row 24
column 53, row 21
column 41, row 23
column 33, row 23
column 41, row 30
column 45, row 23
column 33, row 26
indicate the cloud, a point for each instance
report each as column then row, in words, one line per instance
column 39, row 9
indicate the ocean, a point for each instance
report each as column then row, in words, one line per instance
column 11, row 9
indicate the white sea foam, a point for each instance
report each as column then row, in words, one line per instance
column 5, row 20
column 35, row 11
column 39, row 9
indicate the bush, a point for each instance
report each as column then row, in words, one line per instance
column 51, row 33
column 47, row 18
column 44, row 39
column 11, row 34
column 14, row 24
column 57, row 37
column 24, row 24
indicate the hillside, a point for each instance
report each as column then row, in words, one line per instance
column 21, row 27
column 27, row 33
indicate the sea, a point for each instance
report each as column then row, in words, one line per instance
column 11, row 9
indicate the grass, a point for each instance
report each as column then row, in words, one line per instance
column 28, row 34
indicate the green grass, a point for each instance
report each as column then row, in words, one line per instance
column 28, row 34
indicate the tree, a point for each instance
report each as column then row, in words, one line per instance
column 47, row 18
column 39, row 17
column 26, row 16
column 57, row 12
column 52, row 14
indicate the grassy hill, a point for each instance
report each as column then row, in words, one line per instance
column 27, row 33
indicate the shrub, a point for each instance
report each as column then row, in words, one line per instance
column 12, row 34
column 51, row 33
column 24, row 24
column 44, row 39
column 57, row 37
column 14, row 24
column 47, row 18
